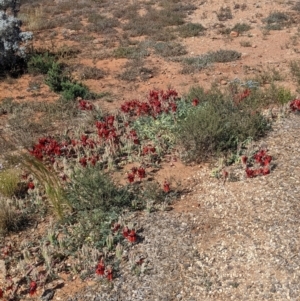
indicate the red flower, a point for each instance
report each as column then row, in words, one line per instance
column 32, row 288
column 109, row 274
column 132, row 236
column 30, row 185
column 116, row 227
column 85, row 105
column 249, row 173
column 225, row 173
column 83, row 161
column 166, row 186
column 141, row 173
column 130, row 177
column 125, row 232
column 195, row 102
column 244, row 159
column 266, row 170
column 295, row 105
column 134, row 170
column 100, row 268
column 267, row 159
column 109, row 120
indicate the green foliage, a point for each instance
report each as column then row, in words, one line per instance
column 217, row 125
column 263, row 98
column 59, row 82
column 161, row 130
column 71, row 90
column 55, row 77
column 91, row 189
column 40, row 63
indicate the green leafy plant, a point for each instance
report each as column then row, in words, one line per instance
column 40, row 63
column 55, row 77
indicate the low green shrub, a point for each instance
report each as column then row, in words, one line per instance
column 55, row 77
column 92, row 189
column 216, row 126
column 40, row 63
column 190, row 30
column 71, row 90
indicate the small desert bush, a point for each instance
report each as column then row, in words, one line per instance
column 71, row 90
column 101, row 24
column 9, row 183
column 40, row 63
column 131, row 52
column 216, row 126
column 241, row 27
column 169, row 49
column 92, row 189
column 245, row 43
column 203, row 61
column 91, row 73
column 11, row 219
column 296, row 6
column 153, row 22
column 190, row 30
column 224, row 14
column 224, row 56
column 55, row 77
column 276, row 21
column 59, row 82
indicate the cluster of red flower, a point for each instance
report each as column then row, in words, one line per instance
column 101, row 270
column 85, row 105
column 46, row 146
column 148, row 149
column 295, row 105
column 260, row 158
column 129, row 234
column 107, row 130
column 140, row 172
column 157, row 103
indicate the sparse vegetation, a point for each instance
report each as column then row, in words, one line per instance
column 224, row 14
column 191, row 30
column 241, row 27
column 206, row 60
column 94, row 168
column 276, row 21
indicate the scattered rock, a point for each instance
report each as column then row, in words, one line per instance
column 223, row 82
column 234, row 34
